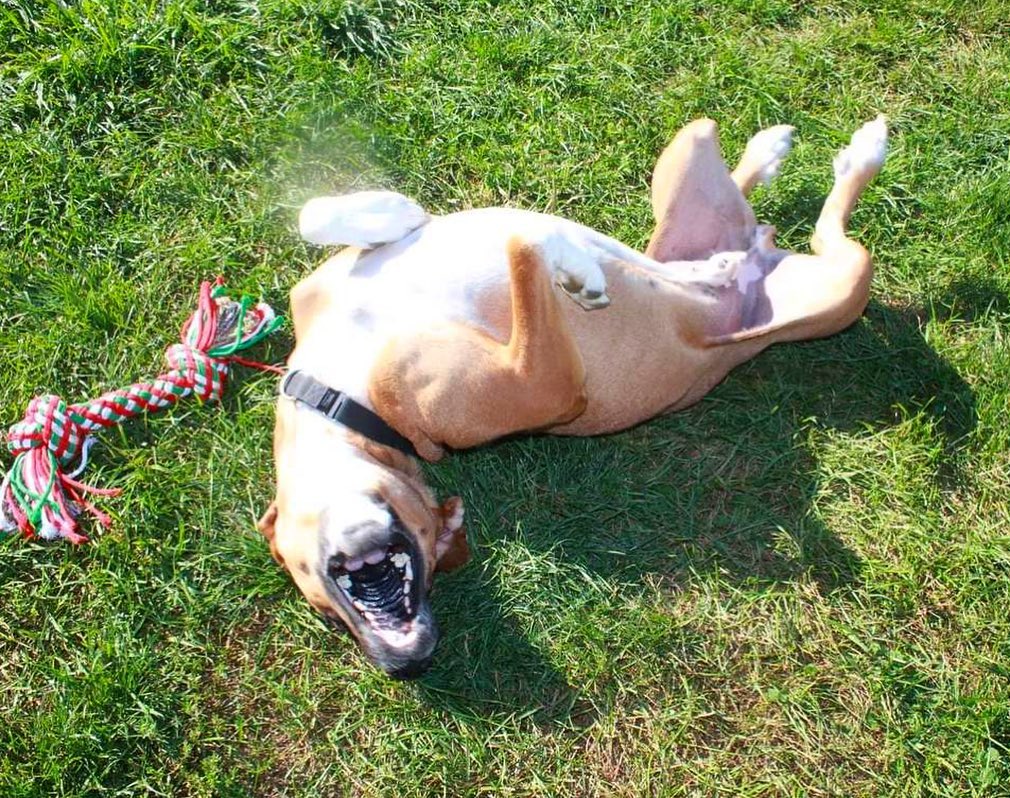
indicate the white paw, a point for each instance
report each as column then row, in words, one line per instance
column 364, row 219
column 768, row 148
column 867, row 150
column 576, row 271
column 455, row 521
column 763, row 238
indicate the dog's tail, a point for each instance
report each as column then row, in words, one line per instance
column 364, row 219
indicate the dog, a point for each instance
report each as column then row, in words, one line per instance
column 428, row 333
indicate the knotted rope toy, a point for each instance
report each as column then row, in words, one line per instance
column 39, row 497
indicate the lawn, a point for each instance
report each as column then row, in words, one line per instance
column 799, row 587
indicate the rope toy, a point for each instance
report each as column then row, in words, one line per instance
column 40, row 495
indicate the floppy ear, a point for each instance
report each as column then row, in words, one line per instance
column 266, row 524
column 267, row 527
column 451, row 549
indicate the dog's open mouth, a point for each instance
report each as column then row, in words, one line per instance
column 382, row 587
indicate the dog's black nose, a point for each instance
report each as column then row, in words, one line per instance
column 411, row 670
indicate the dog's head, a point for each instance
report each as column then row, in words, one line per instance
column 362, row 536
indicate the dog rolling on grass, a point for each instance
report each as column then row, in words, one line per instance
column 435, row 332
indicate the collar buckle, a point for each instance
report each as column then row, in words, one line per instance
column 342, row 409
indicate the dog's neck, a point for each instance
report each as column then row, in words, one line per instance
column 393, row 460
column 343, row 457
column 338, row 347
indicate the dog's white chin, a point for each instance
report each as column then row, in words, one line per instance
column 398, row 638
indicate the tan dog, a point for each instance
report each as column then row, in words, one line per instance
column 460, row 329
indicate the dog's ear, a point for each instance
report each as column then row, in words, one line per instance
column 267, row 527
column 451, row 549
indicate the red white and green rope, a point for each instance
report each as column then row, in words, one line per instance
column 40, row 495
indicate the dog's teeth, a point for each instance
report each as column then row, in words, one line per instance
column 375, row 557
column 406, row 599
column 401, row 559
column 344, row 582
column 408, row 572
column 358, row 606
column 353, row 564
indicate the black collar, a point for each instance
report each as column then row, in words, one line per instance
column 342, row 409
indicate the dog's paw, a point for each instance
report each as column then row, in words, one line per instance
column 768, row 148
column 364, row 219
column 576, row 271
column 866, row 152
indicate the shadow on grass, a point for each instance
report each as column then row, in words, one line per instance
column 727, row 487
column 970, row 299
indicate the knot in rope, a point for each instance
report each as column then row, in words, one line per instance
column 49, row 423
column 39, row 497
column 195, row 371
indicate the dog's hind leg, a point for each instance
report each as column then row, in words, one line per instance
column 810, row 296
column 457, row 386
column 698, row 207
column 855, row 166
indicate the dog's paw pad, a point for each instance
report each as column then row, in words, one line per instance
column 726, row 260
column 588, row 298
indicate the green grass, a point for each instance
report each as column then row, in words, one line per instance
column 799, row 587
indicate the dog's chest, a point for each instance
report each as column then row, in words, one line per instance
column 451, row 270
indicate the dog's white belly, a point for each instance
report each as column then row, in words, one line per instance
column 439, row 273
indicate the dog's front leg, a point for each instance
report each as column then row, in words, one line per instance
column 453, row 385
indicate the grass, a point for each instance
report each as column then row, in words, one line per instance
column 799, row 587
